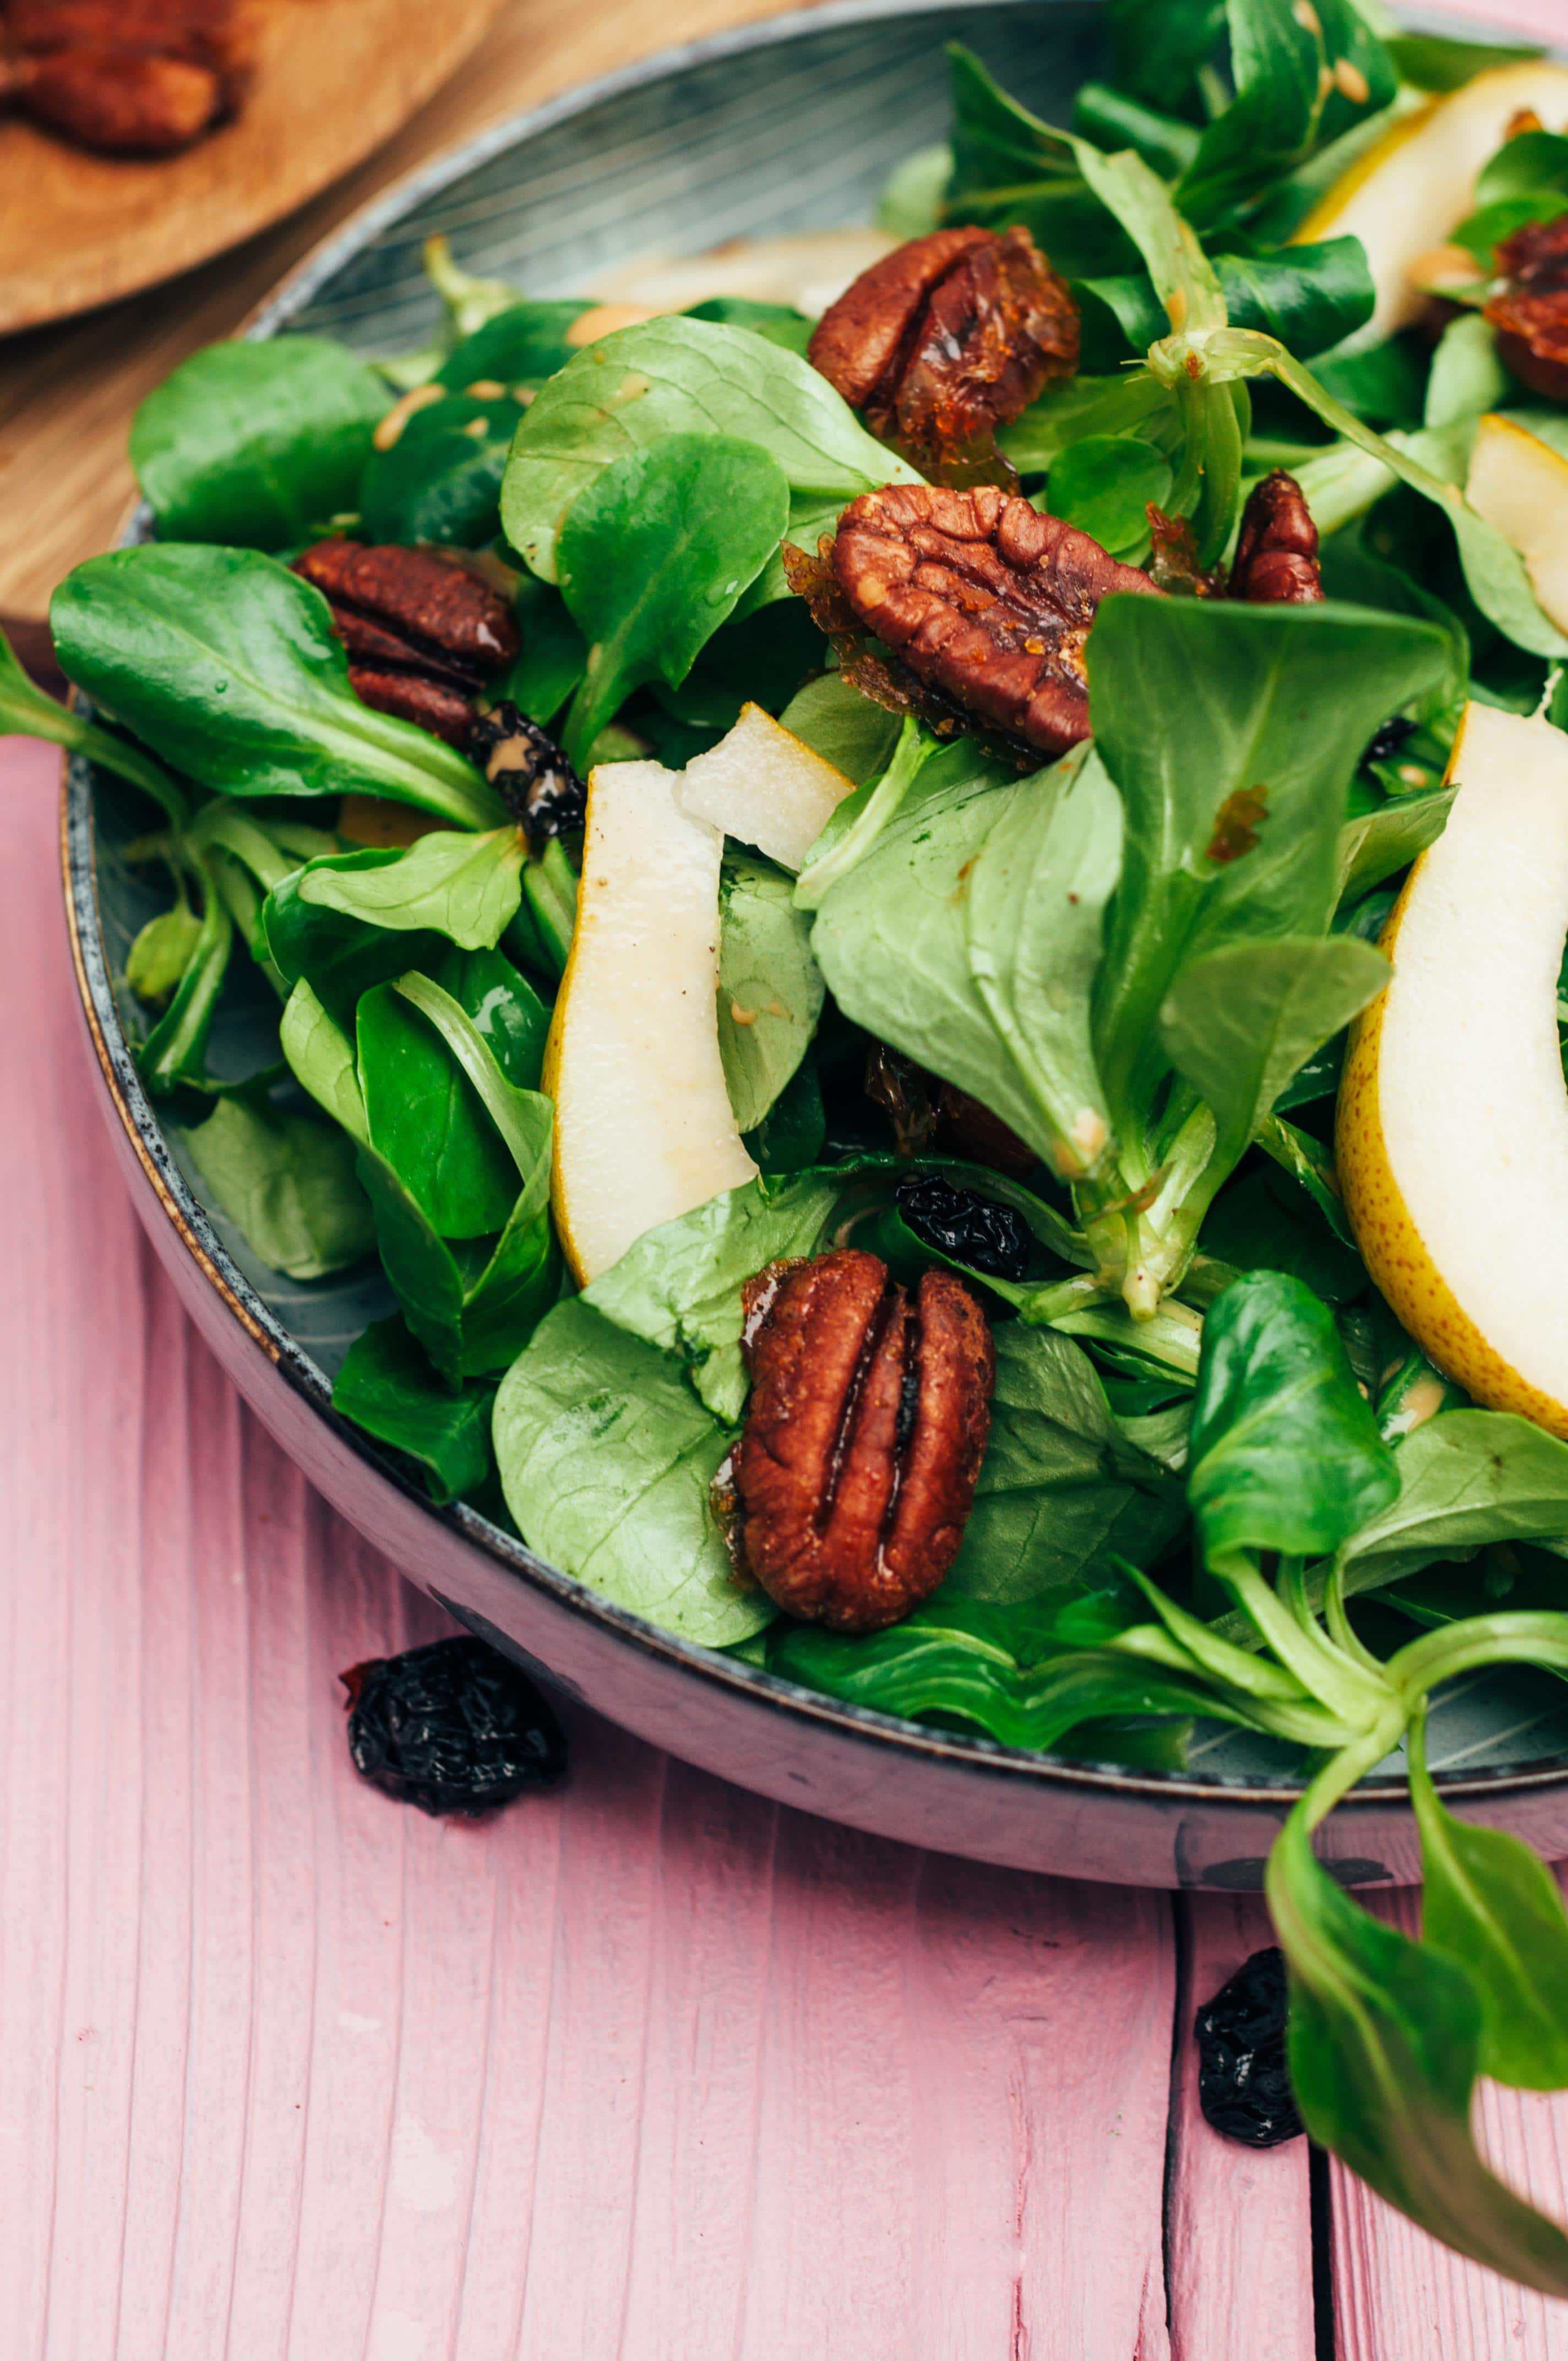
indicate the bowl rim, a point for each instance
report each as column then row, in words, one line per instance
column 976, row 1753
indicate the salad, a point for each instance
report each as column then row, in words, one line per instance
column 819, row 882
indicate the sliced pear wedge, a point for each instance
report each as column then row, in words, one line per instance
column 1407, row 191
column 764, row 786
column 643, row 1127
column 1520, row 484
column 1452, row 1128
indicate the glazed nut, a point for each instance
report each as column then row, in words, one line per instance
column 1276, row 549
column 984, row 599
column 424, row 630
column 944, row 340
column 1530, row 314
column 869, row 1409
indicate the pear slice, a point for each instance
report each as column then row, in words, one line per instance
column 1520, row 484
column 1410, row 189
column 643, row 1127
column 1452, row 1127
column 766, row 786
column 809, row 268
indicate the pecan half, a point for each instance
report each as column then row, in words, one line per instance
column 135, row 77
column 984, row 598
column 1530, row 314
column 944, row 340
column 423, row 630
column 866, row 1427
column 1276, row 551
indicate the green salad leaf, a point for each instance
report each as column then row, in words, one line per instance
column 287, row 1183
column 606, row 1458
column 441, row 480
column 260, row 444
column 388, row 1387
column 449, row 883
column 681, row 376
column 653, row 557
column 770, row 987
column 227, row 666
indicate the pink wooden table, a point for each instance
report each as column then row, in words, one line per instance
column 646, row 2071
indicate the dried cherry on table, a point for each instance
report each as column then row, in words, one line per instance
column 1243, row 2085
column 984, row 599
column 868, row 1418
column 424, row 630
column 944, row 340
column 454, row 1726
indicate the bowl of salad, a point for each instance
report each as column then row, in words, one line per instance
column 817, row 841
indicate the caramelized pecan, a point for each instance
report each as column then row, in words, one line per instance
column 944, row 340
column 1530, row 314
column 1276, row 551
column 984, row 598
column 865, row 1434
column 135, row 77
column 423, row 630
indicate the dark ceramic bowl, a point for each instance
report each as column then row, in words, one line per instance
column 786, row 127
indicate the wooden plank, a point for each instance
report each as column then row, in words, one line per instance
column 1398, row 2293
column 646, row 2067
column 1240, row 2253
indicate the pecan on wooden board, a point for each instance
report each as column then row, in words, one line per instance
column 140, row 77
column 1530, row 314
column 984, row 598
column 944, row 340
column 1277, row 550
column 867, row 1424
column 423, row 631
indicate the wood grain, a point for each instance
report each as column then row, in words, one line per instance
column 1398, row 2292
column 334, row 79
column 66, row 394
column 291, row 2073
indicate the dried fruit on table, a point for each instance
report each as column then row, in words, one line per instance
column 944, row 340
column 454, row 1726
column 988, row 1236
column 1276, row 549
column 984, row 598
column 864, row 1433
column 423, row 630
column 534, row 779
column 1530, row 314
column 141, row 77
column 1243, row 2086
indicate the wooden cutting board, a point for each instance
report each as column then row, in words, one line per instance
column 66, row 391
column 334, row 79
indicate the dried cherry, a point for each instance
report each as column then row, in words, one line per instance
column 535, row 781
column 1243, row 2085
column 454, row 1726
column 975, row 1230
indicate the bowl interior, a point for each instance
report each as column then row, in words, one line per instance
column 777, row 128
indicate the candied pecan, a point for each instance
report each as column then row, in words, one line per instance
column 944, row 340
column 1277, row 552
column 423, row 631
column 865, row 1434
column 533, row 776
column 433, row 705
column 1530, row 314
column 984, row 598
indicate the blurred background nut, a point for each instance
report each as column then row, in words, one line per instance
column 1530, row 314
